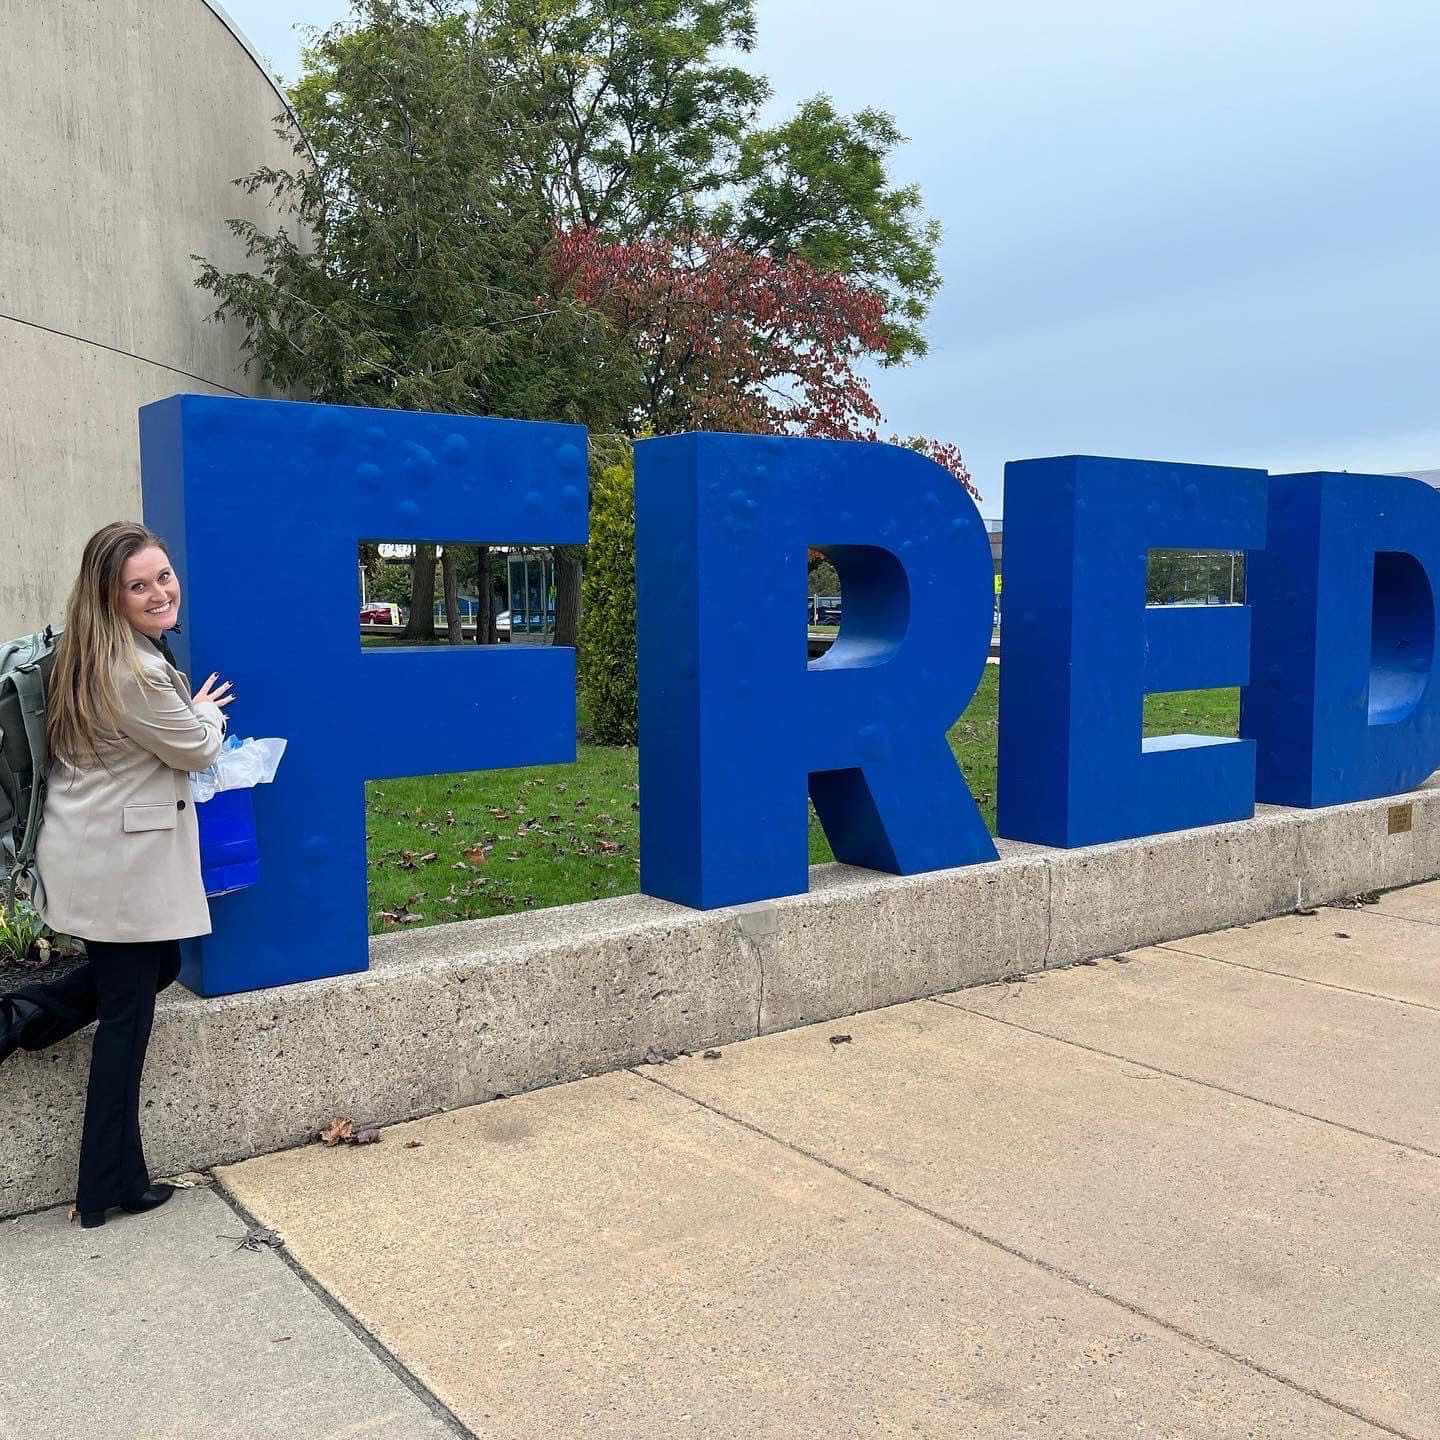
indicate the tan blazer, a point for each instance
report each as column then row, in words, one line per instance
column 118, row 856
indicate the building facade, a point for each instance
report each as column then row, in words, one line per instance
column 122, row 125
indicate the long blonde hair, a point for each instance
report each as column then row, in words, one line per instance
column 98, row 640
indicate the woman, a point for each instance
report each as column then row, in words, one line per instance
column 118, row 856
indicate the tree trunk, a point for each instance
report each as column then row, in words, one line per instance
column 485, row 620
column 567, row 600
column 453, row 628
column 422, row 595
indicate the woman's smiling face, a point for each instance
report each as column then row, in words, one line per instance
column 149, row 592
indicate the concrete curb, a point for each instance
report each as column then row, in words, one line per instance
column 461, row 1013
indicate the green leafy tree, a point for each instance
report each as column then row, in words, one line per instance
column 818, row 187
column 643, row 114
column 822, row 578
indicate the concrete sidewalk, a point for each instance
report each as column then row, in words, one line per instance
column 1187, row 1192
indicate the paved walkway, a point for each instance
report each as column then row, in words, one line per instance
column 1184, row 1193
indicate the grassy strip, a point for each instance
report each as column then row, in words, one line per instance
column 458, row 847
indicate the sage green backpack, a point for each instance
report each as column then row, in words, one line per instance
column 25, row 666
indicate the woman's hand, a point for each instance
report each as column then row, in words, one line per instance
column 212, row 694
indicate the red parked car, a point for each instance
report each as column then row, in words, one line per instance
column 379, row 613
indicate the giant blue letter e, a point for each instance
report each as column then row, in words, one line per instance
column 264, row 504
column 1081, row 649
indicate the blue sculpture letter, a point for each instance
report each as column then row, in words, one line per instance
column 1342, row 706
column 733, row 720
column 264, row 504
column 1081, row 649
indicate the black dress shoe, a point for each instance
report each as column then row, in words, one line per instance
column 15, row 1015
column 150, row 1199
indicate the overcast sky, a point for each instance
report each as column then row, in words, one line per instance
column 1174, row 229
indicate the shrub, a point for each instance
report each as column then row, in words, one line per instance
column 606, row 659
column 26, row 940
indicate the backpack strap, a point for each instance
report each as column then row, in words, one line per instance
column 30, row 688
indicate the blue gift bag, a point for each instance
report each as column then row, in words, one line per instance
column 229, row 852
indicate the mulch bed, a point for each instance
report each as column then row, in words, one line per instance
column 13, row 976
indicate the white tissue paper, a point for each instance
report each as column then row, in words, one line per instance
column 242, row 764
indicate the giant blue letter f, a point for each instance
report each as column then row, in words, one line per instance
column 264, row 504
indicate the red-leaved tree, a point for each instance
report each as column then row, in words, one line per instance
column 943, row 453
column 730, row 339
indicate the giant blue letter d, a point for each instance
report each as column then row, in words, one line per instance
column 1343, row 705
column 264, row 504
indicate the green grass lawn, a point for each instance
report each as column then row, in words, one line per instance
column 458, row 847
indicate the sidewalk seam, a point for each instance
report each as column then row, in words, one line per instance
column 1048, row 1267
column 1299, row 979
column 1378, row 913
column 377, row 1348
column 1191, row 1079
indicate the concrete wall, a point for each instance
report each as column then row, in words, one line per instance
column 458, row 1014
column 122, row 124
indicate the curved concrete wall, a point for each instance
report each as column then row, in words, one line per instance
column 122, row 124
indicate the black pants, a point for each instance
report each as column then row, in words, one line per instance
column 117, row 985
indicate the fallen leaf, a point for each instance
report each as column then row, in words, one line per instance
column 337, row 1131
column 259, row 1236
column 711, row 1055
column 365, row 1137
column 840, row 1040
column 413, row 1144
column 654, row 1057
column 429, row 858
